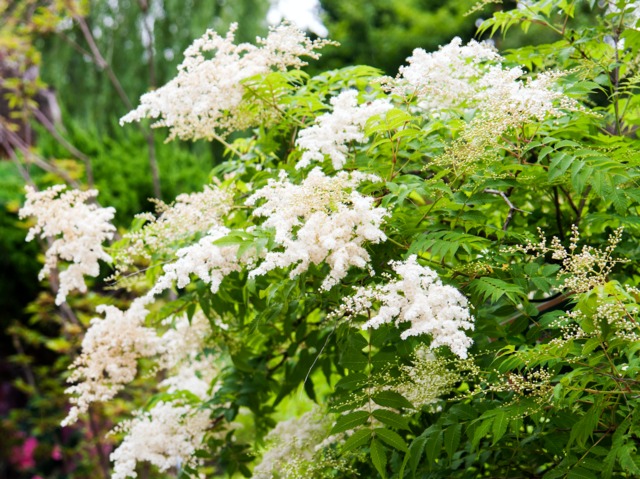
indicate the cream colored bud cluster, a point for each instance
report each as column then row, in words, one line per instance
column 430, row 379
column 76, row 228
column 206, row 96
column 621, row 320
column 299, row 448
column 535, row 383
column 333, row 132
column 323, row 219
column 582, row 270
column 419, row 298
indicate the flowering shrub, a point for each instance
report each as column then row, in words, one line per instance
column 369, row 245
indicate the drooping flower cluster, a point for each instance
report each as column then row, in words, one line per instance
column 76, row 229
column 110, row 352
column 324, row 219
column 207, row 93
column 171, row 432
column 419, row 298
column 333, row 132
column 182, row 355
column 207, row 261
column 166, row 436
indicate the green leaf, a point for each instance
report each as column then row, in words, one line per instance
column 379, row 457
column 354, row 360
column 582, row 430
column 392, row 438
column 416, row 449
column 625, row 456
column 481, row 431
column 493, row 289
column 391, row 418
column 500, row 423
column 434, row 446
column 350, row 421
column 357, row 439
column 581, row 473
column 452, row 439
column 352, row 381
column 392, row 399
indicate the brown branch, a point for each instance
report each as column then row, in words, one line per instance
column 50, row 127
column 506, row 199
column 103, row 64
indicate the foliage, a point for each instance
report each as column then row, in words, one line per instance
column 451, row 281
column 124, row 32
column 383, row 33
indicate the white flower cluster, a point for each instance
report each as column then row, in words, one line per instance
column 182, row 352
column 110, row 352
column 166, row 436
column 333, row 132
column 472, row 76
column 207, row 261
column 324, row 219
column 206, row 94
column 293, row 449
column 172, row 431
column 77, row 231
column 505, row 97
column 447, row 78
column 419, row 298
column 189, row 215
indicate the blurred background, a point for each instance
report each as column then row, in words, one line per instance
column 69, row 69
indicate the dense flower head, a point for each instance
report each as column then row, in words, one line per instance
column 504, row 94
column 206, row 94
column 419, row 298
column 473, row 77
column 76, row 230
column 332, row 132
column 110, row 352
column 323, row 219
column 209, row 262
column 446, row 78
column 166, row 436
